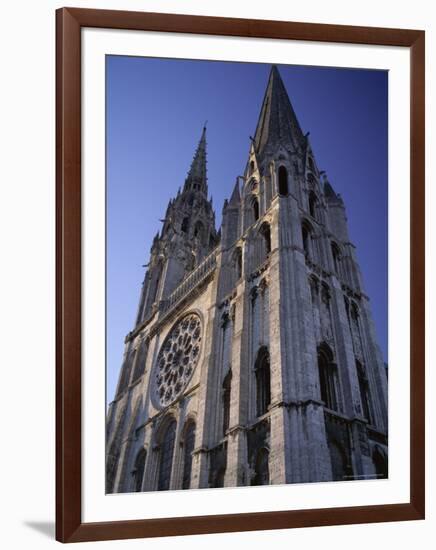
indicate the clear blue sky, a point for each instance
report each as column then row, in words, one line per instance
column 155, row 112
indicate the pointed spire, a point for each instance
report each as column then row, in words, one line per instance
column 277, row 122
column 197, row 177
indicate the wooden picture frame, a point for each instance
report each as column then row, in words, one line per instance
column 69, row 526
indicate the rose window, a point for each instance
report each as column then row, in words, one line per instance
column 177, row 358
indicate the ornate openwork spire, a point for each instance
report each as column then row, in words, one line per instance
column 197, row 176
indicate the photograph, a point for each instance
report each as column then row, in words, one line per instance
column 246, row 274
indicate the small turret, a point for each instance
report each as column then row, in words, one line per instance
column 337, row 219
column 230, row 223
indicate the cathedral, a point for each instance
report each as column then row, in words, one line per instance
column 253, row 359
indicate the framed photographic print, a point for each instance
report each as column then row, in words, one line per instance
column 253, row 360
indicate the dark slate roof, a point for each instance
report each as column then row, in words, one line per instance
column 277, row 122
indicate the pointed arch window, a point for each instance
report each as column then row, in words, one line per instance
column 313, row 200
column 265, row 231
column 336, row 254
column 261, row 468
column 140, row 361
column 166, row 456
column 227, row 386
column 283, row 181
column 255, row 207
column 251, row 166
column 314, row 288
column 355, row 314
column 185, row 225
column 199, row 231
column 189, row 442
column 238, row 262
column 263, row 381
column 327, row 377
column 364, row 391
column 138, row 472
column 307, row 232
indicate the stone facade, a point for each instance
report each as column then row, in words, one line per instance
column 254, row 358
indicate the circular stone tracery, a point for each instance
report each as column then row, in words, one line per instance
column 177, row 358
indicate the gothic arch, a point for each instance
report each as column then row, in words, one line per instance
column 307, row 233
column 327, row 377
column 188, row 441
column 129, row 434
column 166, row 437
column 283, row 186
column 265, row 232
column 237, row 262
column 139, row 468
column 337, row 256
column 255, row 207
column 140, row 360
column 226, row 394
column 185, row 225
column 263, row 381
column 364, row 391
column 313, row 204
column 314, row 287
column 325, row 292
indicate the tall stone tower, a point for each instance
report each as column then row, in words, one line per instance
column 254, row 358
